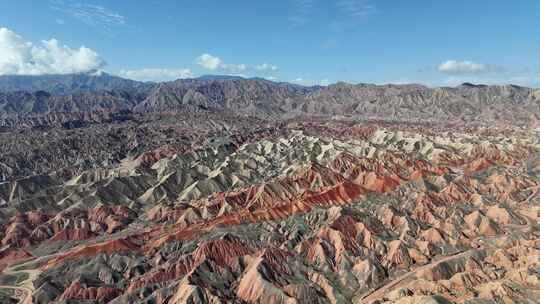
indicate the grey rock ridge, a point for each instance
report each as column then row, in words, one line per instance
column 264, row 98
column 67, row 84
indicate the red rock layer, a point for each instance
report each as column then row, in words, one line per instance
column 33, row 227
column 79, row 291
column 223, row 253
column 107, row 247
column 9, row 256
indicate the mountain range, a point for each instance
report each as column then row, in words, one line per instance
column 24, row 96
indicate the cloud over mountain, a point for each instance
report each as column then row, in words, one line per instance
column 156, row 74
column 462, row 67
column 214, row 63
column 266, row 67
column 209, row 62
column 21, row 57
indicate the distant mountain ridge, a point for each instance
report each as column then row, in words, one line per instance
column 43, row 95
column 68, row 84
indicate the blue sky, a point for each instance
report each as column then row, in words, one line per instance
column 304, row 41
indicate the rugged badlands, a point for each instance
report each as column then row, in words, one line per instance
column 204, row 205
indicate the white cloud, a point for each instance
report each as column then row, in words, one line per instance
column 209, row 62
column 266, row 67
column 20, row 57
column 271, row 78
column 156, row 74
column 237, row 75
column 234, row 68
column 90, row 14
column 214, row 63
column 310, row 82
column 522, row 79
column 462, row 67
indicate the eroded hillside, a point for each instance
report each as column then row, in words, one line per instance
column 291, row 212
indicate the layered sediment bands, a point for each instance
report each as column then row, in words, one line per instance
column 310, row 212
column 32, row 228
column 10, row 256
column 79, row 291
column 107, row 247
column 269, row 277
